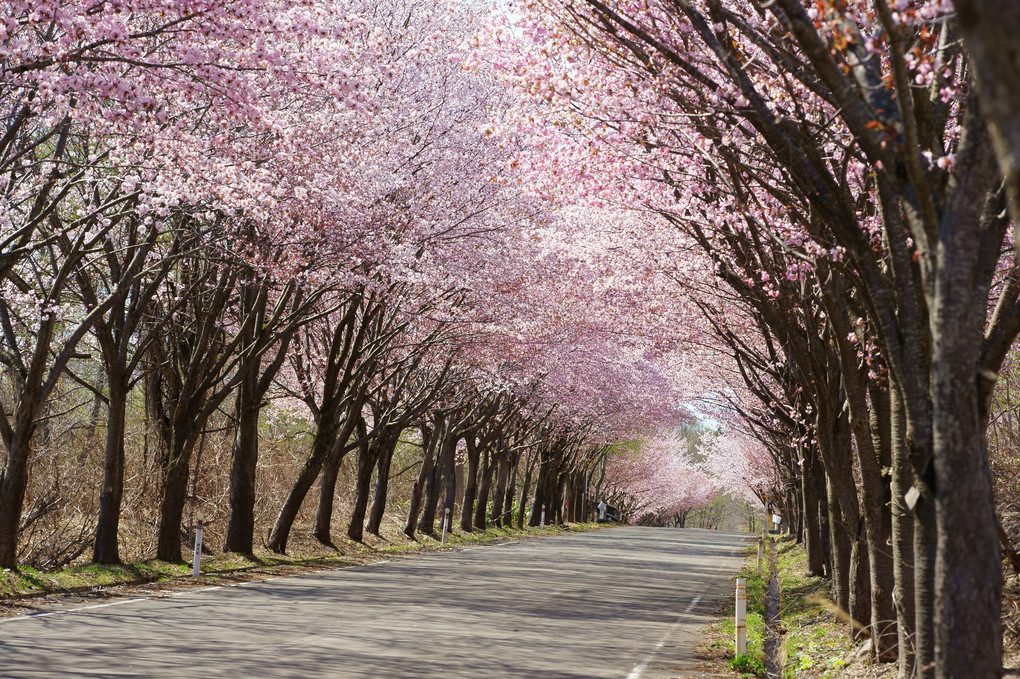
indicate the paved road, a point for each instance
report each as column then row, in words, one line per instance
column 623, row 603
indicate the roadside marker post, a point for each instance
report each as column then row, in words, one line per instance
column 446, row 522
column 197, row 560
column 543, row 519
column 741, row 618
column 761, row 545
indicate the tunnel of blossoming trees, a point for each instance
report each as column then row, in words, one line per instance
column 336, row 265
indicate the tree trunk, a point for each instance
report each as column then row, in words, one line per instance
column 429, row 437
column 813, row 483
column 382, row 480
column 367, row 458
column 430, row 501
column 485, row 483
column 860, row 586
column 174, row 495
column 902, row 539
column 450, row 483
column 325, row 437
column 840, row 544
column 525, row 488
column 499, row 492
column 106, row 549
column 505, row 521
column 467, row 506
column 323, row 528
column 243, row 461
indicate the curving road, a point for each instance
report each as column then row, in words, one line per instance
column 624, row 603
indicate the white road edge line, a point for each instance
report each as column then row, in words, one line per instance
column 196, row 590
column 643, row 665
column 70, row 610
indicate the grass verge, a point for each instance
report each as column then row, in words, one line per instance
column 28, row 582
column 815, row 644
column 718, row 644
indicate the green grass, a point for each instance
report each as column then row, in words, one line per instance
column 29, row 581
column 816, row 644
column 752, row 663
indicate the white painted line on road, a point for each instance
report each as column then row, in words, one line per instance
column 112, row 603
column 30, row 615
column 643, row 665
column 196, row 591
column 70, row 610
column 507, row 543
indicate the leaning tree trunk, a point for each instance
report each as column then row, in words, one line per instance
column 429, row 441
column 323, row 528
column 382, row 480
column 325, row 438
column 367, row 458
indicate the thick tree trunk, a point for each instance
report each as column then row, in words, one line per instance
column 506, row 518
column 325, row 436
column 323, row 528
column 450, row 483
column 525, row 488
column 106, row 549
column 467, row 506
column 428, row 460
column 840, row 544
column 860, row 586
column 382, row 480
column 538, row 502
column 174, row 495
column 367, row 458
column 990, row 29
column 243, row 463
column 12, row 498
column 968, row 561
column 430, row 500
column 484, row 484
column 499, row 492
column 813, row 483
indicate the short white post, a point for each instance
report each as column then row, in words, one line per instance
column 197, row 560
column 760, row 546
column 543, row 519
column 741, row 619
column 446, row 522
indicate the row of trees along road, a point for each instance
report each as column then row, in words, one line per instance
column 241, row 243
column 517, row 237
column 850, row 168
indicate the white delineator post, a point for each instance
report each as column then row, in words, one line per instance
column 197, row 560
column 741, row 618
column 446, row 522
column 543, row 519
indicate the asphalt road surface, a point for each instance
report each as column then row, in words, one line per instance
column 624, row 603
